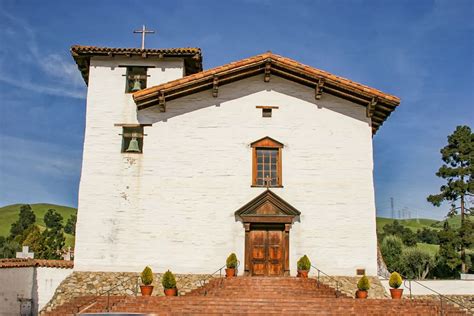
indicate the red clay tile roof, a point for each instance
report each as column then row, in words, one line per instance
column 22, row 263
column 82, row 54
column 275, row 65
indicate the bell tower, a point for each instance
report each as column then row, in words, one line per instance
column 114, row 135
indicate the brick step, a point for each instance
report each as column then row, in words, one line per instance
column 340, row 307
column 259, row 296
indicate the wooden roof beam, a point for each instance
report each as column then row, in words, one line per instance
column 215, row 86
column 371, row 107
column 318, row 90
column 162, row 101
column 268, row 67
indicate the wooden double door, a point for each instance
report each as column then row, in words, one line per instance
column 267, row 250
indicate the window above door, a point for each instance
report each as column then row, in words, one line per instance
column 267, row 163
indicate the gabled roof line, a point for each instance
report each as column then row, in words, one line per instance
column 268, row 64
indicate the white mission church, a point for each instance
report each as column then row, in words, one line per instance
column 264, row 157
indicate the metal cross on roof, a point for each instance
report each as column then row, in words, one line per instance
column 144, row 31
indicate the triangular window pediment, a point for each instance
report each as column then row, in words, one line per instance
column 267, row 205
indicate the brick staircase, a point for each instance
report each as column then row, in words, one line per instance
column 257, row 296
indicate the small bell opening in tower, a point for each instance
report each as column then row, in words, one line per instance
column 133, row 146
column 137, row 86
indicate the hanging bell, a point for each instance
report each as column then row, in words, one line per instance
column 136, row 85
column 133, row 146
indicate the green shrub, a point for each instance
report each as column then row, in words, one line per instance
column 363, row 284
column 168, row 281
column 147, row 276
column 231, row 262
column 416, row 263
column 391, row 248
column 304, row 263
column 395, row 280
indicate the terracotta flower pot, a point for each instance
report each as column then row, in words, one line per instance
column 303, row 274
column 171, row 292
column 396, row 293
column 361, row 294
column 229, row 272
column 146, row 290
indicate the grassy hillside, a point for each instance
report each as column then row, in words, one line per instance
column 413, row 224
column 9, row 214
column 454, row 222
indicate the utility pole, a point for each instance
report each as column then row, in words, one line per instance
column 391, row 207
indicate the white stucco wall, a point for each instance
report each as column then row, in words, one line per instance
column 173, row 206
column 47, row 280
column 16, row 283
column 37, row 284
column 446, row 287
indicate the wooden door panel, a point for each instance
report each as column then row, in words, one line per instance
column 258, row 252
column 274, row 253
column 275, row 269
column 258, row 242
column 266, row 252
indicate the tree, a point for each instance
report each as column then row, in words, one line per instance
column 428, row 236
column 391, row 249
column 35, row 241
column 9, row 249
column 449, row 245
column 53, row 219
column 53, row 236
column 70, row 227
column 26, row 219
column 408, row 237
column 457, row 170
column 416, row 263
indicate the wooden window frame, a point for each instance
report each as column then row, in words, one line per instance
column 267, row 143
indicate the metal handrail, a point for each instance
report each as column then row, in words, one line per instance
column 338, row 283
column 441, row 296
column 100, row 294
column 202, row 281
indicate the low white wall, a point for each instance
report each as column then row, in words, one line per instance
column 48, row 279
column 15, row 283
column 445, row 287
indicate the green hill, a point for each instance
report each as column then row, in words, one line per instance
column 9, row 214
column 413, row 224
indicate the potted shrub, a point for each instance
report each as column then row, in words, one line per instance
column 231, row 264
column 395, row 282
column 303, row 265
column 147, row 279
column 363, row 286
column 169, row 284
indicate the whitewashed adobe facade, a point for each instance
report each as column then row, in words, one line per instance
column 173, row 206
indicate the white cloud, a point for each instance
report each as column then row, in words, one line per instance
column 21, row 60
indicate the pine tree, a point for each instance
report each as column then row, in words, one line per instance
column 53, row 236
column 457, row 170
column 70, row 227
column 25, row 220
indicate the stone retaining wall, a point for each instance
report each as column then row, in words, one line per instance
column 120, row 283
column 467, row 301
column 348, row 285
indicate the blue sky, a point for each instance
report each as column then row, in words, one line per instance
column 421, row 51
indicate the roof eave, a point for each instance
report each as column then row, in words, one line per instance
column 273, row 65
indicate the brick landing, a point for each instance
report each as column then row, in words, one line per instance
column 257, row 296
